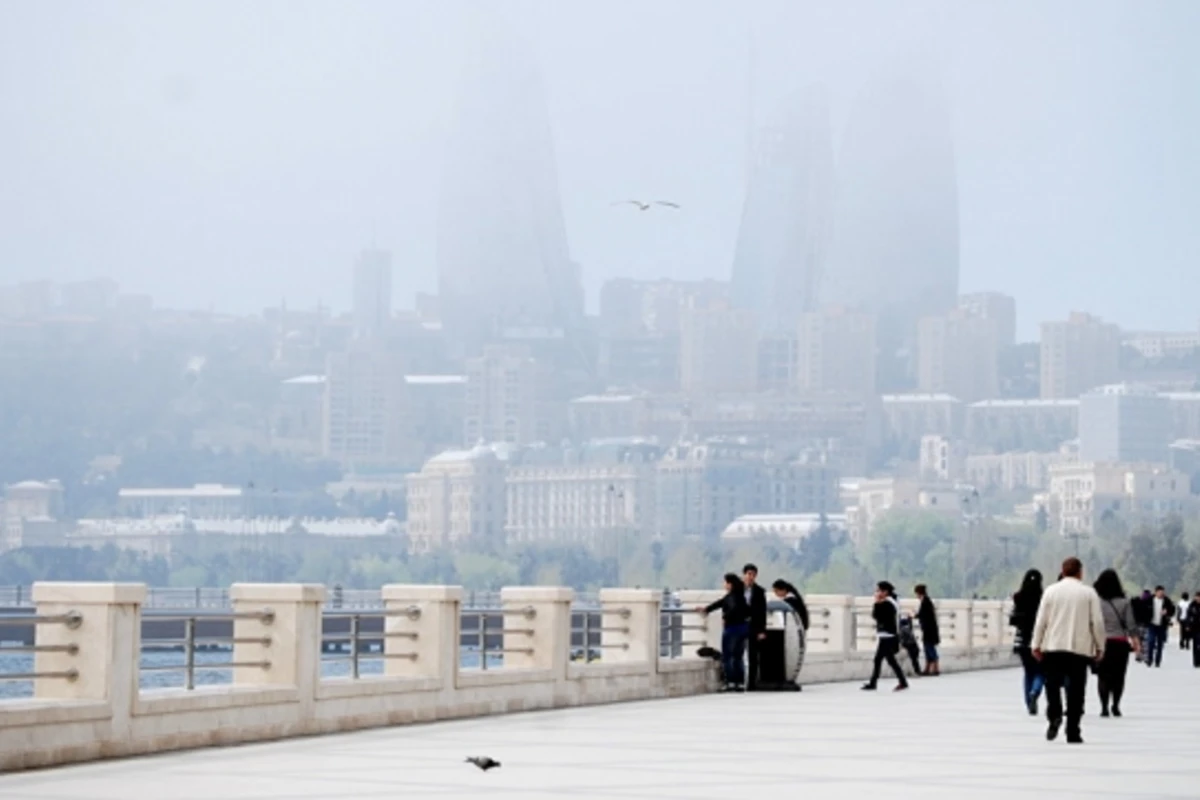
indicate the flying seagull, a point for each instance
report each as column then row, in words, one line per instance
column 483, row 762
column 644, row 206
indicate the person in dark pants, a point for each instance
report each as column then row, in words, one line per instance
column 1068, row 635
column 887, row 627
column 1161, row 611
column 756, row 601
column 1026, row 602
column 1185, row 627
column 908, row 642
column 735, row 615
column 1121, row 637
column 931, row 636
column 1194, row 625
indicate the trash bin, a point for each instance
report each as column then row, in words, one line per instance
column 781, row 653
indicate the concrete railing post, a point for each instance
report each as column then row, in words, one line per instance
column 279, row 628
column 630, row 626
column 97, row 641
column 995, row 621
column 863, row 611
column 704, row 630
column 837, row 613
column 425, row 622
column 955, row 624
column 537, row 628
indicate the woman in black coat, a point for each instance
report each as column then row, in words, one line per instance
column 1026, row 602
column 931, row 635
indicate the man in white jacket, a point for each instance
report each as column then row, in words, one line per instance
column 1067, row 636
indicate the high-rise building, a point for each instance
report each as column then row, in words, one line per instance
column 1125, row 423
column 510, row 398
column 835, row 351
column 364, row 412
column 1078, row 355
column 957, row 355
column 718, row 349
column 777, row 361
column 994, row 306
column 786, row 222
column 372, row 293
column 501, row 246
column 895, row 250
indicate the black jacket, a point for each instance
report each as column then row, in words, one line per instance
column 797, row 604
column 927, row 616
column 887, row 617
column 734, row 610
column 758, row 609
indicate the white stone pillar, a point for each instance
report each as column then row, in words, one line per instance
column 630, row 626
column 425, row 620
column 286, row 642
column 537, row 628
column 863, row 625
column 956, row 615
column 700, row 630
column 832, row 619
column 100, row 643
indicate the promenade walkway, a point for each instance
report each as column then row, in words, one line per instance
column 958, row 736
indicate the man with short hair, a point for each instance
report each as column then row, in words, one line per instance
column 756, row 599
column 1067, row 636
column 1161, row 611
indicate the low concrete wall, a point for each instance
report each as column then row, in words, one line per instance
column 102, row 714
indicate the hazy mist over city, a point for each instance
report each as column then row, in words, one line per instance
column 235, row 154
column 595, row 294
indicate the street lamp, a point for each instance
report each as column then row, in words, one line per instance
column 616, row 499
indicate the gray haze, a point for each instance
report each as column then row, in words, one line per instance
column 236, row 153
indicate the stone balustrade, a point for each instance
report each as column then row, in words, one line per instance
column 87, row 703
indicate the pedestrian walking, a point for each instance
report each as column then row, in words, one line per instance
column 1068, row 636
column 735, row 615
column 1121, row 638
column 931, row 635
column 908, row 641
column 756, row 601
column 886, row 614
column 1185, row 627
column 1193, row 619
column 1161, row 611
column 1026, row 602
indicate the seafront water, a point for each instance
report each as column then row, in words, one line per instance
column 153, row 676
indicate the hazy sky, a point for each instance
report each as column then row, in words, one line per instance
column 233, row 152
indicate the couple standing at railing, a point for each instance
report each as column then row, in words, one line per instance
column 744, row 615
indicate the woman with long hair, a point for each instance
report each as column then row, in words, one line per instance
column 791, row 595
column 735, row 613
column 1026, row 602
column 1121, row 638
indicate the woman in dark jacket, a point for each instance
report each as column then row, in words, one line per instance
column 1026, row 602
column 791, row 595
column 735, row 613
column 931, row 635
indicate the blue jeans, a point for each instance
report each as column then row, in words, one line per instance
column 1035, row 679
column 1156, row 637
column 931, row 653
column 733, row 652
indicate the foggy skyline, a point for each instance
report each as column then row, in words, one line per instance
column 235, row 155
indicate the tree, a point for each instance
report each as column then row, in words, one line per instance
column 1157, row 555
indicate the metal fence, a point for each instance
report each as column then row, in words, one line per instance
column 17, row 638
column 190, row 635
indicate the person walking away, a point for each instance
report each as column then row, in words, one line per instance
column 1185, row 627
column 736, row 619
column 756, row 600
column 1121, row 638
column 1026, row 602
column 887, row 628
column 1161, row 611
column 908, row 641
column 931, row 635
column 791, row 595
column 1194, row 626
column 1068, row 635
column 1142, row 605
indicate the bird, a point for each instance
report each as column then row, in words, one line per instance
column 483, row 762
column 644, row 206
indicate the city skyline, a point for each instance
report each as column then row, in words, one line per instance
column 205, row 168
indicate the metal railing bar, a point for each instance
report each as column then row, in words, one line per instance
column 72, row 619
column 67, row 675
column 69, row 649
column 197, row 667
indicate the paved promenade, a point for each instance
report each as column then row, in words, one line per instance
column 958, row 736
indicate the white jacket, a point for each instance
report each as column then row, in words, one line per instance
column 1069, row 620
